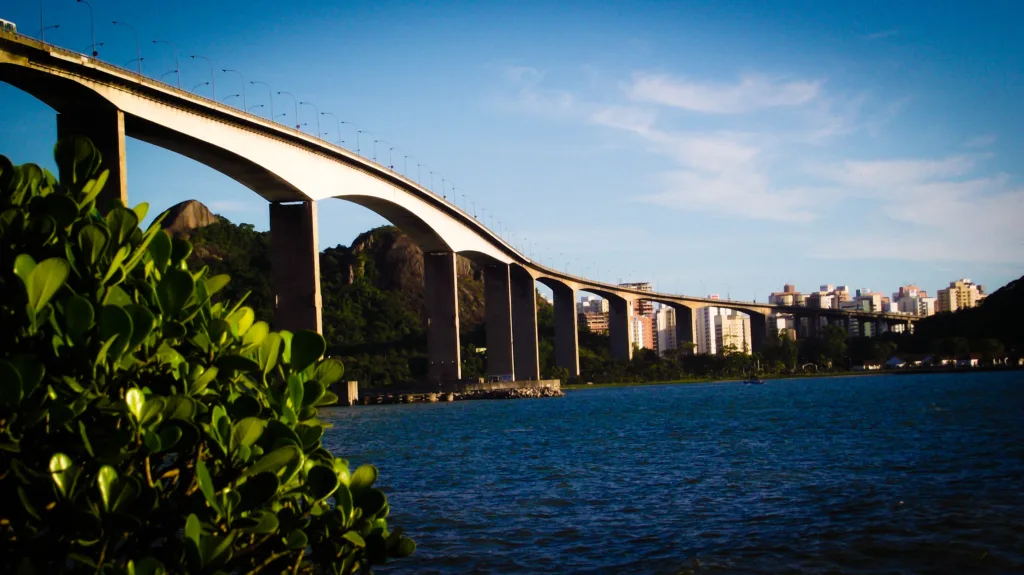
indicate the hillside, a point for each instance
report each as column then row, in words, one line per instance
column 999, row 317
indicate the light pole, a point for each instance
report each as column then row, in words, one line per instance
column 317, row 112
column 177, row 68
column 354, row 127
column 242, row 79
column 444, row 193
column 256, row 106
column 92, row 28
column 295, row 102
column 391, row 158
column 405, row 166
column 358, row 147
column 375, row 148
column 231, row 96
column 419, row 176
column 431, row 181
column 269, row 93
column 138, row 50
column 45, row 28
column 213, row 82
column 200, row 84
column 338, row 122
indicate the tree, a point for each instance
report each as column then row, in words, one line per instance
column 146, row 429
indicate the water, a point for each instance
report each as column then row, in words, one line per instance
column 890, row 474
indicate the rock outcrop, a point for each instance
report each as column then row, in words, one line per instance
column 185, row 217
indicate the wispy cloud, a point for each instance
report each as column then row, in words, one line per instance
column 881, row 35
column 750, row 93
column 982, row 141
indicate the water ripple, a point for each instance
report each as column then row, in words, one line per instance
column 907, row 474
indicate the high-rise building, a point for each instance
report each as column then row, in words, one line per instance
column 719, row 330
column 643, row 307
column 641, row 332
column 594, row 322
column 592, row 304
column 665, row 320
column 961, row 294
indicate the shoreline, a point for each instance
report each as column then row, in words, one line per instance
column 582, row 386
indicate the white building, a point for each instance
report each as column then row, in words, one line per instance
column 591, row 304
column 666, row 325
column 720, row 329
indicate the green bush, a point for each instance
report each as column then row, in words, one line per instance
column 146, row 429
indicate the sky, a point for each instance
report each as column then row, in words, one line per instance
column 707, row 147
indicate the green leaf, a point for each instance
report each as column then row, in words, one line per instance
column 237, row 362
column 363, row 478
column 193, row 531
column 258, row 490
column 215, row 549
column 247, row 431
column 206, row 485
column 174, row 291
column 297, row 540
column 79, row 316
column 343, row 502
column 121, row 222
column 92, row 241
column 180, row 250
column 77, row 158
column 216, row 283
column 160, row 250
column 321, row 482
column 141, row 210
column 307, row 347
column 275, row 461
column 354, row 538
column 255, row 335
column 62, row 472
column 23, row 266
column 46, row 278
column 312, row 392
column 268, row 352
column 143, row 324
column 406, row 547
column 152, row 442
column 115, row 321
column 105, row 481
column 205, row 378
column 329, row 371
column 328, row 398
column 295, row 391
column 179, row 407
column 147, row 566
column 169, row 437
column 136, row 401
column 259, row 522
column 241, row 320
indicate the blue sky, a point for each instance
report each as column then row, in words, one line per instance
column 725, row 147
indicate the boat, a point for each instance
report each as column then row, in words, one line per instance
column 754, row 380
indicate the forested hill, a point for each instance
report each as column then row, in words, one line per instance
column 999, row 317
column 372, row 290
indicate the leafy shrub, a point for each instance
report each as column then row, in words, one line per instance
column 146, row 429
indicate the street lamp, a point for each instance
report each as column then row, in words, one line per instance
column 338, row 121
column 317, row 110
column 231, row 96
column 256, row 106
column 177, row 68
column 419, row 176
column 243, row 83
column 269, row 93
column 92, row 28
column 358, row 147
column 200, row 84
column 45, row 28
column 138, row 50
column 444, row 193
column 213, row 82
column 354, row 127
column 375, row 147
column 295, row 102
column 391, row 158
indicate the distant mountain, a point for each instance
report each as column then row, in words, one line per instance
column 187, row 216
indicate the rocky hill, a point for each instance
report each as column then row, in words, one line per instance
column 186, row 216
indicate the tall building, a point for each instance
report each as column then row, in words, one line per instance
column 592, row 304
column 643, row 307
column 721, row 330
column 665, row 327
column 961, row 294
column 641, row 332
column 594, row 322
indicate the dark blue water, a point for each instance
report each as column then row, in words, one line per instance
column 889, row 474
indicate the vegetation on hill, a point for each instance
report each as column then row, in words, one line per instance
column 145, row 428
column 373, row 308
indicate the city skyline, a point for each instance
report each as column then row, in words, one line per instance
column 697, row 139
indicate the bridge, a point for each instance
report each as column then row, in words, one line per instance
column 292, row 171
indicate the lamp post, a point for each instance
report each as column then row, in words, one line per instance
column 200, row 84
column 419, row 176
column 256, row 106
column 431, row 181
column 338, row 122
column 354, row 127
column 231, row 96
column 269, row 93
column 444, row 193
column 405, row 165
column 391, row 158
column 295, row 102
column 317, row 112
column 213, row 82
column 375, row 148
column 242, row 79
column 138, row 50
column 177, row 68
column 45, row 28
column 358, row 147
column 92, row 28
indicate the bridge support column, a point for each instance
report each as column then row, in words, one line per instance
column 295, row 267
column 758, row 332
column 567, row 352
column 524, row 324
column 104, row 125
column 498, row 317
column 620, row 311
column 442, row 302
column 684, row 325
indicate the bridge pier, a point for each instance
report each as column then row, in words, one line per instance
column 620, row 311
column 567, row 352
column 442, row 303
column 295, row 267
column 526, row 355
column 104, row 125
column 758, row 331
column 498, row 317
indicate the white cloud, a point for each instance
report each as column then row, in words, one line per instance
column 982, row 141
column 752, row 92
column 887, row 173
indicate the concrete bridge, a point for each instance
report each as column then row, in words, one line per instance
column 292, row 170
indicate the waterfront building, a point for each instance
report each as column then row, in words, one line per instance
column 665, row 329
column 719, row 330
column 961, row 294
column 641, row 332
